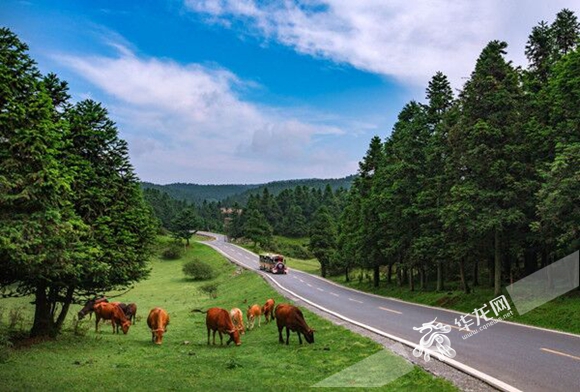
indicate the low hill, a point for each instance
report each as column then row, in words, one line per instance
column 196, row 193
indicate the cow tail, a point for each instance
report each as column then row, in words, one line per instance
column 198, row 311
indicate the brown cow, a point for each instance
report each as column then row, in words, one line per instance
column 290, row 317
column 157, row 321
column 238, row 319
column 131, row 312
column 218, row 319
column 89, row 307
column 268, row 309
column 254, row 312
column 108, row 311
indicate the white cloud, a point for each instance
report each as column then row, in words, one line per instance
column 406, row 39
column 188, row 123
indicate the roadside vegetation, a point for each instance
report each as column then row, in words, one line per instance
column 82, row 360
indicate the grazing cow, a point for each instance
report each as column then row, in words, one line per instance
column 254, row 312
column 218, row 319
column 238, row 319
column 290, row 317
column 109, row 311
column 131, row 312
column 268, row 309
column 157, row 321
column 89, row 307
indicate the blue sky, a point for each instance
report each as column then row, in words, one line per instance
column 246, row 91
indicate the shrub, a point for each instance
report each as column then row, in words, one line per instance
column 198, row 270
column 173, row 252
column 210, row 289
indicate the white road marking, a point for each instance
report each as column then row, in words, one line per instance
column 354, row 300
column 560, row 353
column 336, row 295
column 319, row 289
column 390, row 310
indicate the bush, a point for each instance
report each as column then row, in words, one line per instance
column 210, row 289
column 173, row 252
column 197, row 270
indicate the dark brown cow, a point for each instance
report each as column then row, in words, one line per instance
column 109, row 311
column 290, row 317
column 131, row 312
column 218, row 319
column 157, row 321
column 89, row 307
column 268, row 309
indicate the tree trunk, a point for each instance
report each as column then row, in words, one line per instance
column 475, row 273
column 347, row 278
column 389, row 273
column 491, row 273
column 376, row 276
column 440, row 283
column 65, row 308
column 498, row 263
column 464, row 284
column 43, row 325
column 530, row 261
column 411, row 280
column 422, row 278
column 323, row 269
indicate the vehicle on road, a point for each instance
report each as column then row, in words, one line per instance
column 273, row 263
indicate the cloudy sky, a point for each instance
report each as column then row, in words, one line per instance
column 247, row 91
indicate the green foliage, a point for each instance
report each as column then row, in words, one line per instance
column 210, row 289
column 173, row 252
column 198, row 270
column 72, row 217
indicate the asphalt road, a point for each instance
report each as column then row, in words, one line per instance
column 508, row 356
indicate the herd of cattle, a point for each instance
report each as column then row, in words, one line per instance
column 217, row 319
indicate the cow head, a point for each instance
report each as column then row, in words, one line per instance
column 309, row 335
column 158, row 335
column 125, row 326
column 234, row 337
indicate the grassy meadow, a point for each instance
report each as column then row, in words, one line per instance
column 82, row 360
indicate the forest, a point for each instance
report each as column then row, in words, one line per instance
column 482, row 183
column 480, row 186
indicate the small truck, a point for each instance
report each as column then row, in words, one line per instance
column 273, row 263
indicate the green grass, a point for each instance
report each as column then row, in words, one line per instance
column 104, row 361
column 560, row 314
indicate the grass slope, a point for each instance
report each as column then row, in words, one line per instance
column 103, row 361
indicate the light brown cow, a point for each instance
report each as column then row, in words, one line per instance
column 268, row 309
column 219, row 320
column 238, row 319
column 109, row 311
column 290, row 317
column 254, row 312
column 157, row 321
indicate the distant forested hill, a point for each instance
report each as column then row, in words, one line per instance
column 230, row 194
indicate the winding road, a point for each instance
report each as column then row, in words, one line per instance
column 508, row 356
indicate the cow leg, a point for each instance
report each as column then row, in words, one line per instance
column 221, row 338
column 114, row 324
column 299, row 338
column 280, row 339
column 208, row 336
column 287, row 335
column 97, row 319
column 259, row 321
